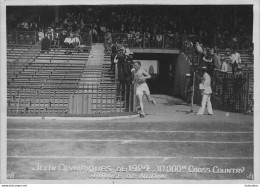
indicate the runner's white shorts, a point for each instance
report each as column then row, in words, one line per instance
column 142, row 89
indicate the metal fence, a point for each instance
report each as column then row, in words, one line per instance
column 226, row 42
column 22, row 37
column 69, row 99
column 168, row 41
column 31, row 38
column 230, row 93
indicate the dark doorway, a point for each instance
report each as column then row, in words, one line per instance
column 162, row 82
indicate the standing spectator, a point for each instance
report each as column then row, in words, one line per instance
column 224, row 66
column 207, row 59
column 93, row 32
column 159, row 38
column 57, row 38
column 217, row 60
column 206, row 91
column 238, row 88
column 40, row 34
column 113, row 55
column 108, row 40
column 235, row 60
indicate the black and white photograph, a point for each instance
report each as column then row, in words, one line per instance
column 129, row 92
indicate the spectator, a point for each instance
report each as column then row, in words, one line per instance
column 159, row 38
column 68, row 41
column 75, row 40
column 93, row 32
column 206, row 91
column 224, row 66
column 235, row 61
column 108, row 40
column 207, row 59
column 113, row 55
column 40, row 35
column 217, row 60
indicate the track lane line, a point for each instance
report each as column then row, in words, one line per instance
column 126, row 157
column 126, row 141
column 150, row 131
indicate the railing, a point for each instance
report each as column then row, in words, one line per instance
column 31, row 38
column 225, row 42
column 50, row 99
column 149, row 41
column 22, row 37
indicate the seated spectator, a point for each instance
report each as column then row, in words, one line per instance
column 75, row 40
column 68, row 41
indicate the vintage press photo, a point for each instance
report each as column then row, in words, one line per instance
column 136, row 92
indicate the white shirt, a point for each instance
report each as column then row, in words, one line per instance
column 76, row 40
column 41, row 35
column 224, row 67
column 159, row 37
column 205, row 86
column 235, row 57
column 68, row 40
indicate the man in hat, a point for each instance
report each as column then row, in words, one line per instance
column 206, row 91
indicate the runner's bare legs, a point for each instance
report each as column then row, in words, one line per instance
column 140, row 98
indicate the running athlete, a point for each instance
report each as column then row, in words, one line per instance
column 141, row 87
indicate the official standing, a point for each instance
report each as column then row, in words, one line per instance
column 206, row 91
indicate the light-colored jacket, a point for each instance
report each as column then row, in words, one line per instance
column 205, row 85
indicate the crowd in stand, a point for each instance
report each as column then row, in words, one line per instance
column 150, row 26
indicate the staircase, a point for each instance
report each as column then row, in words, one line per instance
column 102, row 91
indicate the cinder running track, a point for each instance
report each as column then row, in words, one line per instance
column 168, row 144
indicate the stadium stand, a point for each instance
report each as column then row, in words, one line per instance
column 69, row 70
